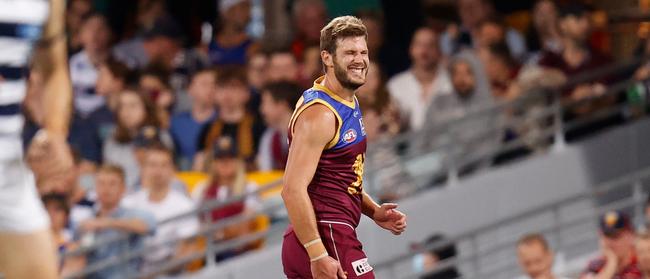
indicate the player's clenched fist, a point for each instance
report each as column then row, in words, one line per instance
column 327, row 268
column 50, row 159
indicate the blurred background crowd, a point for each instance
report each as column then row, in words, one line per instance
column 182, row 103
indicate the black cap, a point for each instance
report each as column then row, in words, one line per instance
column 614, row 222
column 573, row 9
column 164, row 27
column 147, row 136
column 225, row 147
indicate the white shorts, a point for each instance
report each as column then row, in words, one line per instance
column 21, row 210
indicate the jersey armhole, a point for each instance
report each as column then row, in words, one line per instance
column 303, row 107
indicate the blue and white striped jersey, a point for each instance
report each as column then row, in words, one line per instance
column 20, row 26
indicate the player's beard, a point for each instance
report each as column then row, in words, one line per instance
column 342, row 76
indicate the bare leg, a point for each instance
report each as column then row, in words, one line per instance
column 28, row 255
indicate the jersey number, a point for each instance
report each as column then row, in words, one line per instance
column 357, row 186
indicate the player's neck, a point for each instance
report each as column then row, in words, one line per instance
column 337, row 88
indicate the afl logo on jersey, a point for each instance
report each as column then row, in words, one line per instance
column 350, row 136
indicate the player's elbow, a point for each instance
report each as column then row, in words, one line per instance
column 290, row 192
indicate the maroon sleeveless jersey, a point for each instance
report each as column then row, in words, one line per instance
column 336, row 189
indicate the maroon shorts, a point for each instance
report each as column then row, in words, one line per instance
column 341, row 242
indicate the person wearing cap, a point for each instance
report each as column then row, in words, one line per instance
column 231, row 44
column 618, row 260
column 228, row 180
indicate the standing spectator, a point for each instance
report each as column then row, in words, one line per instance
column 164, row 203
column 282, row 67
column 278, row 101
column 233, row 119
column 154, row 83
column 112, row 78
column 417, row 88
column 429, row 260
column 228, row 180
column 536, row 257
column 231, row 44
column 134, row 111
column 618, row 260
column 95, row 38
column 309, row 16
column 161, row 43
column 114, row 221
column 543, row 33
column 186, row 126
column 472, row 14
column 642, row 248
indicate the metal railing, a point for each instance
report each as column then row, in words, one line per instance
column 553, row 133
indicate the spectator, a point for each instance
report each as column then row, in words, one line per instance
column 312, row 66
column 228, row 180
column 112, row 78
column 164, row 203
column 535, row 257
column 374, row 22
column 257, row 70
column 543, row 33
column 146, row 138
column 309, row 16
column 374, row 94
column 186, row 126
column 95, row 35
column 58, row 211
column 154, row 83
column 233, row 119
column 472, row 13
column 489, row 32
column 282, row 67
column 472, row 137
column 618, row 258
column 134, row 111
column 114, row 221
column 416, row 89
column 278, row 101
column 575, row 58
column 75, row 13
column 642, row 245
column 161, row 43
column 502, row 71
column 429, row 260
column 231, row 44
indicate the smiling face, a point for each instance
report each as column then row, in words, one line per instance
column 349, row 62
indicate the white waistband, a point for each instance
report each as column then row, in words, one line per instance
column 336, row 222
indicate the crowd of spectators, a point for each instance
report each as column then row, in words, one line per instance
column 157, row 92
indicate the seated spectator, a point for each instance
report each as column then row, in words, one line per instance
column 282, row 67
column 151, row 137
column 472, row 14
column 74, row 16
column 543, row 33
column 186, row 127
column 95, row 35
column 134, row 111
column 228, row 180
column 160, row 43
column 233, row 118
column 489, row 32
column 113, row 221
column 58, row 211
column 472, row 137
column 278, row 101
column 159, row 199
column 642, row 249
column 502, row 71
column 536, row 257
column 112, row 78
column 154, row 83
column 416, row 89
column 374, row 22
column 429, row 260
column 374, row 94
column 618, row 259
column 311, row 67
column 308, row 17
column 577, row 57
column 231, row 44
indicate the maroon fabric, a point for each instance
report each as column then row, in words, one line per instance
column 279, row 153
column 223, row 212
column 341, row 243
column 594, row 61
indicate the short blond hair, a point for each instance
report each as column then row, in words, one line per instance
column 338, row 28
column 113, row 169
column 533, row 238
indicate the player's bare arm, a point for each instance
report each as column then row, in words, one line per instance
column 313, row 130
column 385, row 215
column 49, row 156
